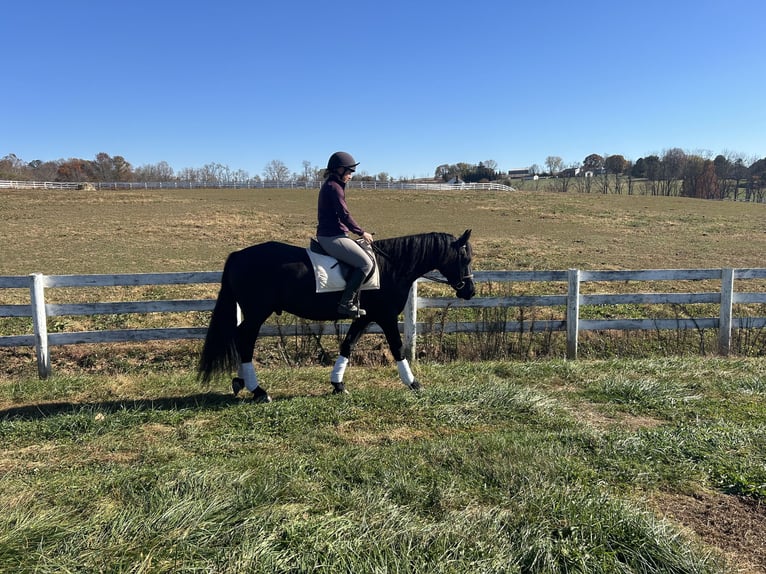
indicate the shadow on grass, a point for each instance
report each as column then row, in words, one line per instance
column 206, row 401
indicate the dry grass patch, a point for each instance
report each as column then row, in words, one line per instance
column 736, row 525
column 603, row 422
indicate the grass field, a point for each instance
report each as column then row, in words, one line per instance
column 57, row 232
column 121, row 462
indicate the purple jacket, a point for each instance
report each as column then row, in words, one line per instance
column 332, row 212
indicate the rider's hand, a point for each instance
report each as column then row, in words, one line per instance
column 367, row 237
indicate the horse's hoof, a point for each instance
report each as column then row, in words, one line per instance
column 237, row 385
column 415, row 387
column 339, row 389
column 261, row 396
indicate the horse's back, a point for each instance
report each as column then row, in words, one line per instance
column 268, row 254
column 271, row 277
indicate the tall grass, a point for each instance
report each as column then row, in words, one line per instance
column 496, row 467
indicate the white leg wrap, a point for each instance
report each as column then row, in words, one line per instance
column 246, row 372
column 337, row 371
column 405, row 374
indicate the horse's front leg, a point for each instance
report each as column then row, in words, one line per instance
column 394, row 339
column 346, row 348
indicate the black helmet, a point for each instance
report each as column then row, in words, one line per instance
column 341, row 159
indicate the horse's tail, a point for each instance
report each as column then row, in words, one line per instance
column 219, row 353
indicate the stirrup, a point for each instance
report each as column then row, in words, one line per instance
column 350, row 310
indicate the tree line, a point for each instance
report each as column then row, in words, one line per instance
column 106, row 168
column 674, row 172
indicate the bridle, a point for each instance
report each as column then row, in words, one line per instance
column 463, row 271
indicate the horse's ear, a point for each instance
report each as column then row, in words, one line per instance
column 464, row 238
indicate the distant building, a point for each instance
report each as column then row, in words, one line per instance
column 519, row 173
column 580, row 172
column 569, row 172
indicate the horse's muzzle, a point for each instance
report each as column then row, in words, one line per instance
column 465, row 289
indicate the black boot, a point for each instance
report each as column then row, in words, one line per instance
column 347, row 306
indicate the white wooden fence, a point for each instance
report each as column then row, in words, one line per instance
column 571, row 302
column 287, row 184
column 11, row 184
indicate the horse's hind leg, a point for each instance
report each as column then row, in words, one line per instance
column 247, row 335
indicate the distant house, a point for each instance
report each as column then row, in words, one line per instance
column 580, row 172
column 569, row 172
column 456, row 181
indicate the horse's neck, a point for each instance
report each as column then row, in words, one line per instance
column 424, row 265
column 417, row 261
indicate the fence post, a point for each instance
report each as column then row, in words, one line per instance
column 40, row 324
column 410, row 322
column 573, row 312
column 724, row 321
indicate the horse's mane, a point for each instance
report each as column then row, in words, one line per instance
column 411, row 251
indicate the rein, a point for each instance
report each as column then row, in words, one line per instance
column 456, row 286
column 379, row 251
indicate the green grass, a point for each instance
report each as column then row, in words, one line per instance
column 496, row 467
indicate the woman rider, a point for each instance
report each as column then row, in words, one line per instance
column 334, row 224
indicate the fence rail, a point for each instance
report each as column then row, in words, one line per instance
column 10, row 184
column 572, row 322
column 291, row 184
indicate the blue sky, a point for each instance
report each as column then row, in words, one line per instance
column 403, row 85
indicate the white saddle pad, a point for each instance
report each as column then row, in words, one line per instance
column 328, row 276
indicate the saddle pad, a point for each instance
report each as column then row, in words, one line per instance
column 328, row 276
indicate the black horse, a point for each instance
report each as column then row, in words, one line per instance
column 274, row 277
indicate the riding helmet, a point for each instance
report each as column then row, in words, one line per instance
column 341, row 159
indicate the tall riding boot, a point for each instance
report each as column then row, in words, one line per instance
column 347, row 306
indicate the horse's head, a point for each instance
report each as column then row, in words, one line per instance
column 457, row 267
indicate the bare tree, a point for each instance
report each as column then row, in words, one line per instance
column 240, row 176
column 276, row 170
column 188, row 174
column 103, row 167
column 160, row 171
column 212, row 172
column 554, row 164
column 11, row 166
column 43, row 170
column 307, row 173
